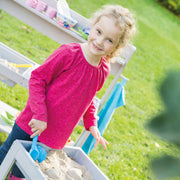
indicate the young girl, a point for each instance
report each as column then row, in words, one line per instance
column 62, row 89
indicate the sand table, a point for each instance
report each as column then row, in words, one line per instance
column 58, row 166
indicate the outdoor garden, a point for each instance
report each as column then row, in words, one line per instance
column 132, row 146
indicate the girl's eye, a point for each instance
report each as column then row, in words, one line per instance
column 109, row 40
column 98, row 31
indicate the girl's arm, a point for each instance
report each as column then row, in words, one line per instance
column 90, row 123
column 90, row 116
column 40, row 79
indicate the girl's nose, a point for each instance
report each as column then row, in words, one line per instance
column 99, row 41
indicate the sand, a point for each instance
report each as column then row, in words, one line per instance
column 58, row 166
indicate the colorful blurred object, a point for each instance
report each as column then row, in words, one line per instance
column 63, row 16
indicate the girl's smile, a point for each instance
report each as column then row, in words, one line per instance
column 96, row 47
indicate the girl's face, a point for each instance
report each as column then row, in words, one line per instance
column 104, row 37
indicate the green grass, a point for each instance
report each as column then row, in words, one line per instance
column 131, row 147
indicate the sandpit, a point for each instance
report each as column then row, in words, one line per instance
column 58, row 166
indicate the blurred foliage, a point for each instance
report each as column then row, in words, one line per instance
column 167, row 126
column 172, row 5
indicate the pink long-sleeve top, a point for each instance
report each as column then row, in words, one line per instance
column 61, row 91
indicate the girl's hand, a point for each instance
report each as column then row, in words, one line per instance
column 99, row 139
column 37, row 127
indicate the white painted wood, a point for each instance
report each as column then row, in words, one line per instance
column 18, row 154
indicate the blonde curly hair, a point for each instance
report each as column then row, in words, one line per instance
column 124, row 20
